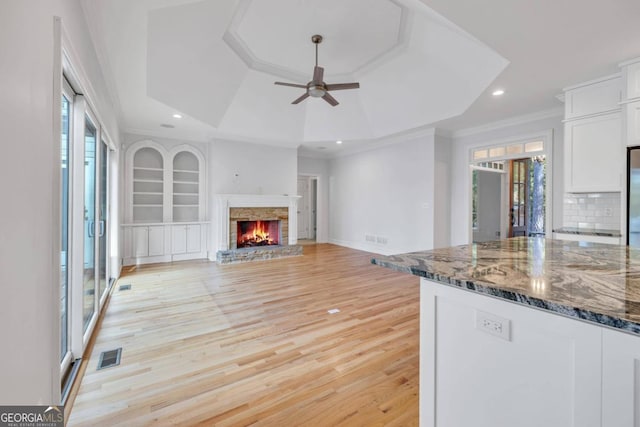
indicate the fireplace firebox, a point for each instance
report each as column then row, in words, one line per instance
column 258, row 233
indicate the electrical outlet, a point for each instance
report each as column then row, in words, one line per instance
column 381, row 240
column 608, row 212
column 369, row 238
column 494, row 325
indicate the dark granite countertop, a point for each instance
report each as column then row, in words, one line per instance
column 594, row 282
column 589, row 231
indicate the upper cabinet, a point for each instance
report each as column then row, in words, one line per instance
column 631, row 101
column 596, row 97
column 164, row 186
column 594, row 155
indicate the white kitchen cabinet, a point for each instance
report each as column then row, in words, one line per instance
column 631, row 72
column 593, row 97
column 594, row 160
column 620, row 379
column 540, row 370
column 633, row 123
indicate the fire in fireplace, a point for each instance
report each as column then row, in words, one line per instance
column 258, row 233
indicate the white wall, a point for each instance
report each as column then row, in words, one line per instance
column 245, row 168
column 319, row 168
column 387, row 192
column 29, row 252
column 460, row 176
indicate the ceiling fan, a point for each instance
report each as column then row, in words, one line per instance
column 317, row 87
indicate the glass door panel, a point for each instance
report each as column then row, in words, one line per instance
column 102, row 227
column 64, row 218
column 89, row 276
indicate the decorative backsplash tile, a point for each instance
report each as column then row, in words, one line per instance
column 592, row 210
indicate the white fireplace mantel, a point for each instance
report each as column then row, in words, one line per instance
column 222, row 203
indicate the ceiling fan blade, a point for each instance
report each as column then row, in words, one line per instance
column 330, row 99
column 302, row 98
column 291, row 84
column 318, row 74
column 342, row 86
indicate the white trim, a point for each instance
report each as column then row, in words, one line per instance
column 55, row 333
column 318, row 203
column 547, row 137
column 513, row 121
column 75, row 72
column 629, row 62
column 594, row 81
column 592, row 115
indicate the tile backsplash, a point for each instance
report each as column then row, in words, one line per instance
column 592, row 210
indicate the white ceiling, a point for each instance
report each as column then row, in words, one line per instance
column 420, row 63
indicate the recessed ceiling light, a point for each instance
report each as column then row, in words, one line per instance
column 338, row 142
column 167, row 125
column 498, row 92
column 177, row 116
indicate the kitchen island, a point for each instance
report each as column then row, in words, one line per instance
column 528, row 332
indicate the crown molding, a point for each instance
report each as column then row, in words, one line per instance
column 513, row 121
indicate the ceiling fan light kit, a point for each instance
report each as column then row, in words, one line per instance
column 317, row 88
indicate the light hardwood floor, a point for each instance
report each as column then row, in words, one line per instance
column 253, row 344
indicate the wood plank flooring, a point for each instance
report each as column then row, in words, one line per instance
column 253, row 344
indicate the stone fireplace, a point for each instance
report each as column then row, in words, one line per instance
column 270, row 224
column 255, row 227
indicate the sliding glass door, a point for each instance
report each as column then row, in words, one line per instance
column 67, row 100
column 89, row 274
column 103, row 211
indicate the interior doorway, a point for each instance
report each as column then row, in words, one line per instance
column 527, row 207
column 307, row 207
column 489, row 196
column 518, row 171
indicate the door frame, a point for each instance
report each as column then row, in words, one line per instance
column 504, row 202
column 314, row 228
column 546, row 136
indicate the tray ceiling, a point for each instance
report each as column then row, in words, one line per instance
column 215, row 63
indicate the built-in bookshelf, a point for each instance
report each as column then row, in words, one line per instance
column 186, row 187
column 148, row 185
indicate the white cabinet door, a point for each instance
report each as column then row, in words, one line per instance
column 593, row 98
column 542, row 369
column 178, row 239
column 193, row 244
column 140, row 242
column 620, row 379
column 633, row 80
column 633, row 123
column 594, row 158
column 156, row 240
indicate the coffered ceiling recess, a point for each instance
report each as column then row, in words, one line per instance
column 216, row 61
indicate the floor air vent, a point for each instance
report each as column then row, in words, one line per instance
column 124, row 287
column 109, row 358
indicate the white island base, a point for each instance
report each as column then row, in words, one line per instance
column 488, row 362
